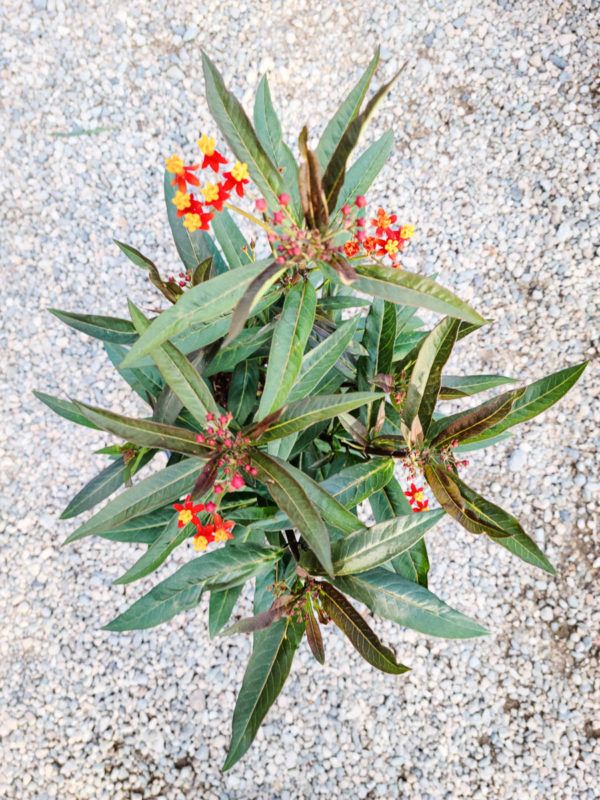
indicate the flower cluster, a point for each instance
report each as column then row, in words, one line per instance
column 216, row 530
column 416, row 498
column 449, row 460
column 215, row 195
column 415, row 462
column 231, row 453
column 386, row 241
column 185, row 279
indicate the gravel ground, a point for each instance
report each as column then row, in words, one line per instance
column 496, row 163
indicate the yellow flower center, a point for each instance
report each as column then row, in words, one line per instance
column 174, row 164
column 383, row 220
column 407, row 231
column 391, row 247
column 206, row 145
column 221, row 535
column 192, row 222
column 181, row 200
column 210, row 193
column 240, row 171
column 185, row 516
column 419, row 497
column 200, row 543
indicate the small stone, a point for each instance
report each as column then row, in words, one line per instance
column 558, row 61
column 517, row 460
column 547, row 614
column 175, row 73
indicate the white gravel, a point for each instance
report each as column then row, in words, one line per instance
column 497, row 165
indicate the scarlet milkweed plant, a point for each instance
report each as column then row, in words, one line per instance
column 285, row 381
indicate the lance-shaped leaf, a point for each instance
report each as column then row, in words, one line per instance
column 140, row 530
column 144, row 432
column 365, row 169
column 448, row 495
column 194, row 248
column 247, row 343
column 513, row 537
column 335, row 172
column 354, row 484
column 231, row 239
column 149, row 495
column 243, row 390
column 313, row 632
column 108, row 329
column 99, row 488
column 338, row 124
column 535, row 398
column 362, row 637
column 170, row 290
column 426, row 377
column 370, row 547
column 268, row 131
column 145, row 381
column 467, row 425
column 220, row 569
column 310, row 186
column 181, row 376
column 378, row 339
column 169, row 406
column 65, row 408
column 454, row 386
column 170, row 537
column 402, row 601
column 257, row 287
column 293, row 500
column 280, row 607
column 390, row 502
column 302, row 413
column 287, row 346
column 267, row 671
column 222, row 601
column 406, row 288
column 239, row 133
column 199, row 304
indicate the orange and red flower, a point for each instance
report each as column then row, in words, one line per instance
column 222, row 529
column 383, row 222
column 197, row 222
column 212, row 157
column 415, row 494
column 183, row 174
column 215, row 195
column 188, row 512
column 237, row 178
column 351, row 248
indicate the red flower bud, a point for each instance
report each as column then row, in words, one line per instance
column 361, row 201
column 284, row 199
column 261, row 205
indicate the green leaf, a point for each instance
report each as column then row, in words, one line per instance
column 459, row 386
column 362, row 637
column 523, row 546
column 365, row 169
column 294, row 501
column 378, row 339
column 108, row 329
column 180, row 375
column 99, row 488
column 467, row 425
column 406, row 288
column 468, row 448
column 199, row 304
column 335, row 172
column 342, row 118
column 267, row 671
column 391, row 502
column 170, row 538
column 219, row 569
column 231, row 240
column 426, row 377
column 243, row 390
column 371, row 547
column 302, row 413
column 268, row 131
column 339, row 303
column 149, row 495
column 145, row 381
column 534, row 399
column 239, row 133
column 409, row 604
column 245, row 344
column 65, row 408
column 140, row 530
column 137, row 258
column 313, row 632
column 193, row 248
column 356, row 483
column 145, row 433
column 287, row 346
column 260, row 284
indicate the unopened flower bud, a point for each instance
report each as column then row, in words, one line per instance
column 261, row 205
